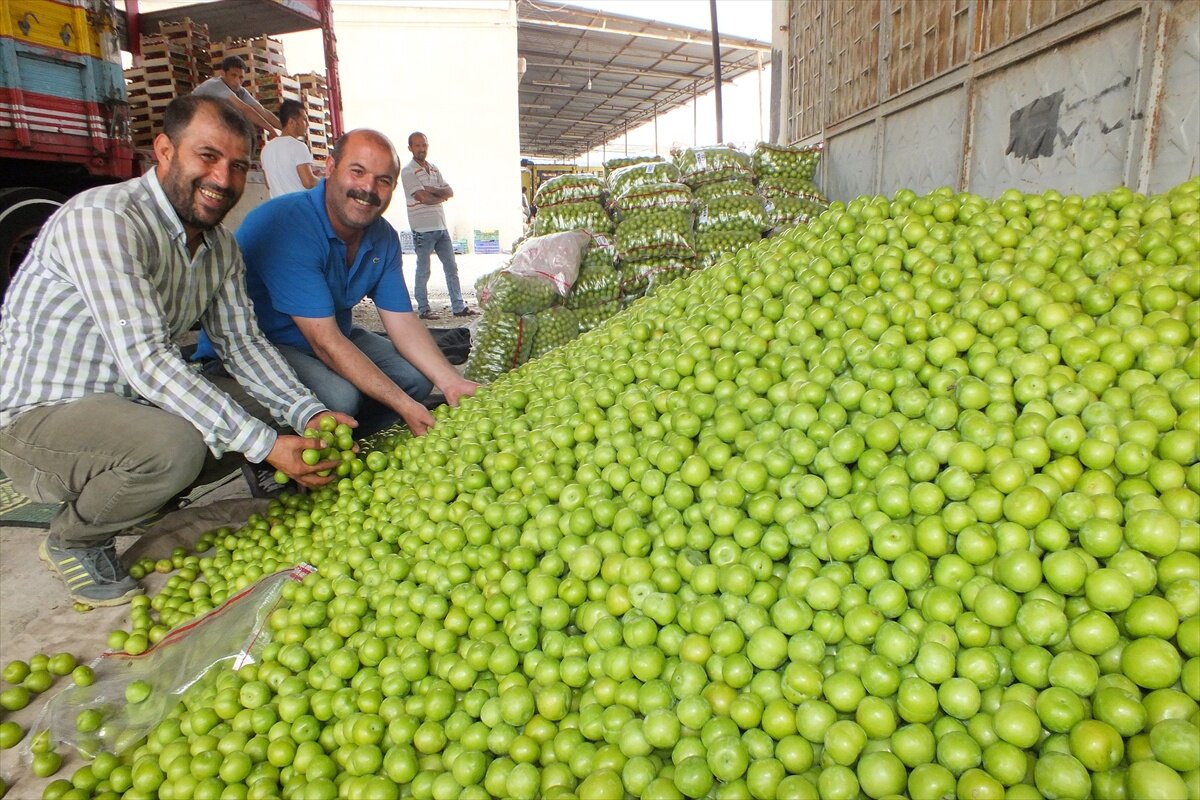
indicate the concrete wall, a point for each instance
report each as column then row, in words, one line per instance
column 448, row 70
column 1078, row 95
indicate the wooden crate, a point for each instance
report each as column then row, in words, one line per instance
column 263, row 53
column 186, row 28
column 157, row 46
column 276, row 88
column 313, row 81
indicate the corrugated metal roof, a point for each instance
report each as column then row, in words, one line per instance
column 591, row 76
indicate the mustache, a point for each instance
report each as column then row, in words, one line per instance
column 364, row 196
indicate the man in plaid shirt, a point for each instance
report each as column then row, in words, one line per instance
column 98, row 410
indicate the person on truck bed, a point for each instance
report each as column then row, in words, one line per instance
column 286, row 160
column 228, row 86
column 311, row 257
column 98, row 410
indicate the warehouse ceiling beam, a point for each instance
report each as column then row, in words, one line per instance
column 703, row 39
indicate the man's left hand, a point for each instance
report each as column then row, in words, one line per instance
column 458, row 389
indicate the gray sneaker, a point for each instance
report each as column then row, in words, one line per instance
column 93, row 575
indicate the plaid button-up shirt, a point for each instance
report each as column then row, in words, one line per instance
column 97, row 305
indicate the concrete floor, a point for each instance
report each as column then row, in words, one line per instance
column 36, row 616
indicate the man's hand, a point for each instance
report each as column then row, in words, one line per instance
column 345, row 419
column 455, row 390
column 416, row 417
column 285, row 456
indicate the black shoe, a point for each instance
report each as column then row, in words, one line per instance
column 427, row 314
column 261, row 480
column 466, row 312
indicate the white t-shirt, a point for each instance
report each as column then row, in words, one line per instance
column 422, row 218
column 280, row 157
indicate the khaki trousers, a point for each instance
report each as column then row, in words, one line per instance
column 111, row 461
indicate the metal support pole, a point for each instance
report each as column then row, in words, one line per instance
column 758, row 57
column 695, row 115
column 716, row 45
column 332, row 74
column 656, row 128
column 133, row 30
column 627, row 138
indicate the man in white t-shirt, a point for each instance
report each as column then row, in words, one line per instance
column 228, row 86
column 286, row 159
column 426, row 190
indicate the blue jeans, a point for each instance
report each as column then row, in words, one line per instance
column 338, row 394
column 429, row 242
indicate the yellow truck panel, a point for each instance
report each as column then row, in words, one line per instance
column 59, row 24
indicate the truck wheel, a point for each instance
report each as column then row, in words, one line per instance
column 22, row 212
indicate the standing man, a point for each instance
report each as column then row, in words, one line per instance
column 228, row 86
column 286, row 159
column 311, row 257
column 426, row 190
column 98, row 411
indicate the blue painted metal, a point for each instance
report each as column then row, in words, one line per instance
column 58, row 74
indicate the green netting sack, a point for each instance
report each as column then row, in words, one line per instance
column 735, row 213
column 702, row 165
column 508, row 293
column 654, row 219
column 555, row 327
column 622, row 179
column 649, row 196
column 658, row 233
column 788, row 162
column 713, row 243
column 643, row 277
column 614, row 164
column 773, row 187
column 591, row 317
column 733, row 188
column 502, row 343
column 587, row 215
column 601, row 253
column 594, row 286
column 784, row 212
column 571, row 188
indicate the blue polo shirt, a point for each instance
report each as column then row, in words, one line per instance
column 296, row 266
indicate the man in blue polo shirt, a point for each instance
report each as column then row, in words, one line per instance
column 311, row 257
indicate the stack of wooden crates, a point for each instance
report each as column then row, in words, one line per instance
column 175, row 61
column 180, row 57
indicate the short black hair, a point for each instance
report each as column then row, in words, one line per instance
column 182, row 110
column 289, row 110
column 233, row 62
column 414, row 135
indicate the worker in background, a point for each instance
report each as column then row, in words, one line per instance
column 426, row 190
column 228, row 86
column 286, row 159
column 311, row 257
column 98, row 410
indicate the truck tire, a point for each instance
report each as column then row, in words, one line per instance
column 22, row 211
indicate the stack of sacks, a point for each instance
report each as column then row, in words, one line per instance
column 522, row 304
column 785, row 179
column 569, row 203
column 596, row 294
column 730, row 214
column 655, row 218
